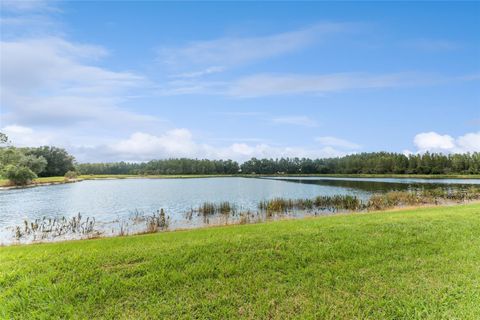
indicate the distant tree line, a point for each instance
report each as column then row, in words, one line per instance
column 21, row 165
column 167, row 166
column 370, row 163
column 363, row 163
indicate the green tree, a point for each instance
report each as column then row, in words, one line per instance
column 10, row 155
column 3, row 138
column 59, row 161
column 36, row 164
column 19, row 175
column 20, row 168
column 71, row 175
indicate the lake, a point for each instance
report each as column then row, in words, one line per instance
column 114, row 203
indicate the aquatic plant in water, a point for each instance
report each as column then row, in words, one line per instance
column 51, row 228
column 210, row 208
column 44, row 228
column 158, row 221
column 375, row 202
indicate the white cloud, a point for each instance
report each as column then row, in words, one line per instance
column 337, row 142
column 142, row 146
column 262, row 85
column 25, row 137
column 29, row 18
column 434, row 142
column 295, row 120
column 196, row 74
column 469, row 142
column 56, row 64
column 232, row 51
column 176, row 142
column 52, row 80
column 269, row 84
column 26, row 5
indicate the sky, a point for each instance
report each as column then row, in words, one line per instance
column 135, row 81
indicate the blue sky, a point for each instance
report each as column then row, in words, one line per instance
column 141, row 80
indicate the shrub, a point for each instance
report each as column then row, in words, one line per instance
column 18, row 175
column 71, row 175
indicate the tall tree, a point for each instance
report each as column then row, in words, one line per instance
column 59, row 161
column 3, row 138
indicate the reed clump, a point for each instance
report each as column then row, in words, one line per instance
column 338, row 202
column 158, row 221
column 207, row 208
column 278, row 205
column 48, row 227
column 331, row 203
column 394, row 199
column 210, row 208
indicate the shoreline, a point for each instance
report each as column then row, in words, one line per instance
column 47, row 181
column 39, row 184
column 445, row 204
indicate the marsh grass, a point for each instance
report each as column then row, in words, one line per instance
column 228, row 213
column 210, row 208
column 78, row 227
column 323, row 203
column 278, row 205
column 375, row 202
column 56, row 227
column 422, row 197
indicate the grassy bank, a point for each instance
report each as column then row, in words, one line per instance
column 158, row 176
column 422, row 263
column 50, row 180
column 38, row 181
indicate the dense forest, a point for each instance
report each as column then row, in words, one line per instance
column 363, row 163
column 21, row 165
column 371, row 163
column 168, row 166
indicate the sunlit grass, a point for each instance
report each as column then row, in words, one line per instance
column 42, row 180
column 47, row 180
column 411, row 264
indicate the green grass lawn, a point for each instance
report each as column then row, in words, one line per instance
column 415, row 264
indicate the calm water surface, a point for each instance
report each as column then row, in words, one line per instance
column 116, row 200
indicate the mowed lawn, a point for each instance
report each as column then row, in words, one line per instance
column 416, row 264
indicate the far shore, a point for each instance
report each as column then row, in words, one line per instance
column 5, row 184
